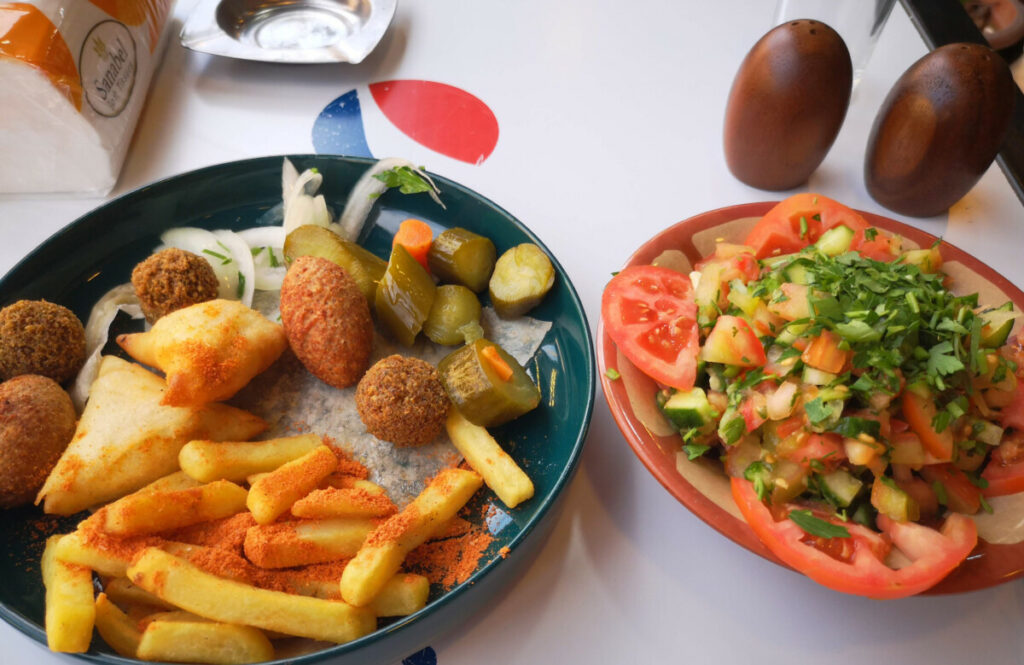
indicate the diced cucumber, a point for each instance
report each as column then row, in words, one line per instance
column 689, row 409
column 741, row 298
column 817, row 377
column 840, row 393
column 996, row 325
column 773, row 262
column 986, row 432
column 796, row 273
column 890, row 500
column 840, row 487
column 835, row 241
column 790, row 333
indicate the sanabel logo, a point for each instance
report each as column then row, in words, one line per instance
column 438, row 116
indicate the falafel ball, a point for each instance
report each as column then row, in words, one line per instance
column 40, row 337
column 37, row 421
column 172, row 279
column 401, row 400
column 327, row 320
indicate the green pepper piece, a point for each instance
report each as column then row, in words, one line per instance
column 404, row 296
column 522, row 277
column 365, row 268
column 454, row 306
column 478, row 390
column 458, row 256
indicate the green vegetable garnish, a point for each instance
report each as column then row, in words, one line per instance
column 817, row 526
column 403, row 177
column 612, row 374
column 695, row 450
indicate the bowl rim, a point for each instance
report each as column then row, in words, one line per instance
column 587, row 392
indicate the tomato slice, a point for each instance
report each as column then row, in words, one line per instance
column 920, row 412
column 961, row 494
column 856, row 565
column 781, row 231
column 882, row 247
column 650, row 314
column 1004, row 477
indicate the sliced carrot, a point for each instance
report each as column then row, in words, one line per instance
column 919, row 412
column 416, row 237
column 498, row 363
column 824, row 353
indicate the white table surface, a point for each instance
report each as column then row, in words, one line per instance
column 610, row 121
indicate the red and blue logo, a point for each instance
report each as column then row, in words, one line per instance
column 438, row 116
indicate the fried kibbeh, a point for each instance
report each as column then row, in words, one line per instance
column 172, row 279
column 127, row 437
column 40, row 337
column 401, row 400
column 327, row 320
column 208, row 351
column 37, row 421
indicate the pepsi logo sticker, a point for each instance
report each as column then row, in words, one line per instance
column 438, row 116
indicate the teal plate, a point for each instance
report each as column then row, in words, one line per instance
column 77, row 265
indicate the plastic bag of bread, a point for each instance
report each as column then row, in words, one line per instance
column 73, row 79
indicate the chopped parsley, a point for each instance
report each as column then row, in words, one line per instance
column 405, row 179
column 817, row 526
column 695, row 450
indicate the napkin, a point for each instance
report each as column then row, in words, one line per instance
column 73, row 80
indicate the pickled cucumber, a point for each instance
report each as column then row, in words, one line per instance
column 404, row 296
column 364, row 267
column 522, row 277
column 458, row 256
column 454, row 307
column 486, row 391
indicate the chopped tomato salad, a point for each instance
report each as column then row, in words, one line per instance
column 861, row 409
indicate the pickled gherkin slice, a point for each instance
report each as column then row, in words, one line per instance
column 487, row 385
column 364, row 267
column 522, row 277
column 454, row 307
column 458, row 256
column 404, row 296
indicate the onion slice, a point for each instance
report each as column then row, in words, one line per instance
column 205, row 244
column 120, row 298
column 242, row 255
column 266, row 245
column 365, row 193
column 642, row 392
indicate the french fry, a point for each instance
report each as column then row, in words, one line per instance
column 70, row 607
column 183, row 641
column 182, row 584
column 94, row 553
column 345, row 482
column 273, row 494
column 116, row 629
column 348, row 502
column 169, row 483
column 402, row 595
column 156, row 511
column 301, row 543
column 207, row 461
column 122, row 592
column 485, row 456
column 453, row 528
column 170, row 615
column 382, row 554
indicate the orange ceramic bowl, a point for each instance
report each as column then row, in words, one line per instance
column 702, row 485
